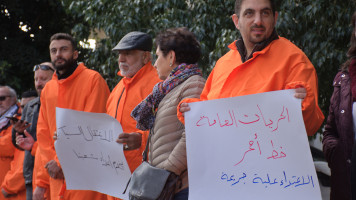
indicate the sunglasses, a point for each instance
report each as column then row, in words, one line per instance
column 2, row 98
column 43, row 67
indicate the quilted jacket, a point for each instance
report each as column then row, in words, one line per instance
column 339, row 138
column 167, row 144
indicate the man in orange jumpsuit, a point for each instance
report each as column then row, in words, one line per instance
column 139, row 78
column 261, row 61
column 42, row 74
column 11, row 159
column 74, row 87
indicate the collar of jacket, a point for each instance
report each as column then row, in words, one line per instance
column 76, row 72
column 258, row 47
column 144, row 70
column 34, row 102
column 68, row 73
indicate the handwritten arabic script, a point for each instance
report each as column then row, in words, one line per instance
column 88, row 134
column 105, row 160
column 88, row 152
column 244, row 119
column 257, row 144
column 282, row 181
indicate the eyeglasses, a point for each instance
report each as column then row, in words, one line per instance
column 2, row 98
column 43, row 67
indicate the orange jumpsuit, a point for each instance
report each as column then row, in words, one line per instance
column 7, row 150
column 14, row 182
column 11, row 166
column 84, row 90
column 132, row 91
column 40, row 176
column 281, row 65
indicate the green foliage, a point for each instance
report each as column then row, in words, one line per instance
column 320, row 28
column 209, row 20
column 21, row 50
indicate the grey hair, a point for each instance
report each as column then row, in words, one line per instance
column 12, row 92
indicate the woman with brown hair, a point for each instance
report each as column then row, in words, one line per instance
column 339, row 133
column 178, row 51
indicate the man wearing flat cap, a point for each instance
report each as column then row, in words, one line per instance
column 139, row 78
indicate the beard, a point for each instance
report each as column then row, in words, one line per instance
column 39, row 90
column 66, row 65
column 129, row 71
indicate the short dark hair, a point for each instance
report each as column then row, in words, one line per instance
column 64, row 36
column 29, row 93
column 182, row 42
column 239, row 2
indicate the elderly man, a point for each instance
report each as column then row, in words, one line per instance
column 11, row 159
column 139, row 78
column 42, row 74
column 261, row 61
column 73, row 87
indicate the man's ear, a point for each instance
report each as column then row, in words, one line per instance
column 235, row 19
column 75, row 55
column 146, row 57
column 275, row 18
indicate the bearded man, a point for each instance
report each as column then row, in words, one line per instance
column 73, row 87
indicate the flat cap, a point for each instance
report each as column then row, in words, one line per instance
column 135, row 41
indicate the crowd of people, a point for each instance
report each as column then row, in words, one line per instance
column 150, row 101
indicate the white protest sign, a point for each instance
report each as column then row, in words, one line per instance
column 249, row 147
column 90, row 157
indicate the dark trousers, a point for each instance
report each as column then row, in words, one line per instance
column 182, row 195
column 28, row 191
column 353, row 172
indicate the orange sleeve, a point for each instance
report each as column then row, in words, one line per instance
column 44, row 137
column 99, row 89
column 14, row 181
column 312, row 115
column 144, row 137
column 187, row 100
column 6, row 147
column 40, row 175
column 34, row 148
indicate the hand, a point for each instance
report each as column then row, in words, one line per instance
column 39, row 193
column 20, row 125
column 25, row 143
column 7, row 195
column 54, row 170
column 184, row 107
column 131, row 140
column 300, row 93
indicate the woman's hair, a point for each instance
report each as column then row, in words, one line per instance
column 182, row 42
column 352, row 50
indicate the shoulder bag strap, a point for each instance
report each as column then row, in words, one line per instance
column 144, row 154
